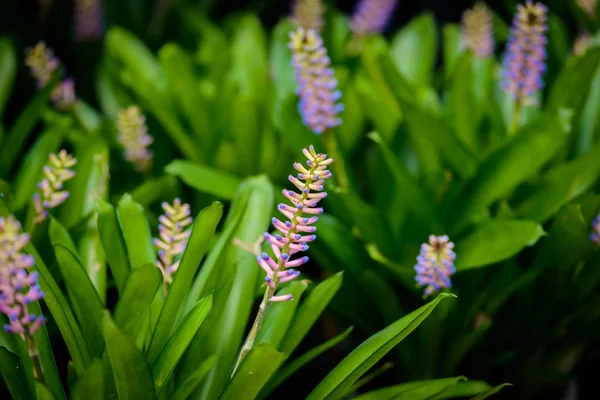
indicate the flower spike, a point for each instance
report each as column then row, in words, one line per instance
column 134, row 137
column 89, row 23
column 173, row 238
column 435, row 264
column 524, row 61
column 317, row 85
column 56, row 173
column 308, row 14
column 477, row 30
column 372, row 16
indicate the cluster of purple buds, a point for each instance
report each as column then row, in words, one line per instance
column 89, row 24
column 435, row 264
column 372, row 16
column 43, row 65
column 477, row 30
column 308, row 14
column 173, row 238
column 595, row 235
column 317, row 85
column 300, row 218
column 56, row 173
column 134, row 137
column 18, row 286
column 524, row 61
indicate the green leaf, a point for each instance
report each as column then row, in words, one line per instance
column 309, row 312
column 495, row 241
column 291, row 368
column 31, row 168
column 185, row 389
column 414, row 49
column 113, row 243
column 59, row 235
column 491, row 392
column 19, row 132
column 343, row 376
column 8, row 70
column 254, row 372
column 463, row 107
column 133, row 377
column 205, row 179
column 202, row 233
column 87, row 304
column 463, row 389
column 573, row 83
column 42, row 392
column 507, row 167
column 417, row 390
column 90, row 385
column 136, row 232
column 134, row 303
column 558, row 186
column 154, row 190
column 171, row 353
column 13, row 375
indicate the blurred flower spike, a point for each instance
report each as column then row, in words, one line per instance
column 43, row 65
column 89, row 24
column 477, row 30
column 173, row 238
column 297, row 230
column 317, row 85
column 595, row 235
column 134, row 137
column 372, row 16
column 524, row 61
column 18, row 286
column 308, row 14
column 589, row 7
column 435, row 264
column 56, row 173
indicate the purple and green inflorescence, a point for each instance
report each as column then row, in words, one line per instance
column 308, row 14
column 173, row 238
column 89, row 15
column 595, row 235
column 477, row 30
column 317, row 85
column 435, row 264
column 300, row 216
column 18, row 286
column 524, row 61
column 43, row 65
column 372, row 16
column 134, row 137
column 56, row 173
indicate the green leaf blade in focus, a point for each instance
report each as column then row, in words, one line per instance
column 113, row 244
column 349, row 370
column 90, row 385
column 136, row 232
column 417, row 390
column 132, row 374
column 13, row 375
column 491, row 392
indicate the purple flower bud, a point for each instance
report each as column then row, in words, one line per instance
column 89, row 24
column 435, row 264
column 372, row 16
column 477, row 30
column 57, row 171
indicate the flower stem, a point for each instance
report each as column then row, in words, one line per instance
column 516, row 118
column 35, row 358
column 333, row 149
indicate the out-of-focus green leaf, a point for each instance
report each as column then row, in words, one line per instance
column 42, row 392
column 113, row 244
column 8, row 70
column 30, row 171
column 203, row 231
column 59, row 235
column 495, row 241
column 280, row 314
column 351, row 368
column 87, row 305
column 589, row 118
column 463, row 107
column 245, row 125
column 417, row 390
column 289, row 369
column 510, row 165
column 452, row 48
column 153, row 190
column 134, row 303
column 309, row 312
column 19, row 132
column 280, row 56
column 133, row 377
column 572, row 85
column 90, row 386
column 491, row 392
column 164, row 364
column 136, row 232
column 185, row 389
column 13, row 375
column 463, row 389
column 558, row 186
column 254, row 372
column 205, row 179
column 414, row 49
column 248, row 48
